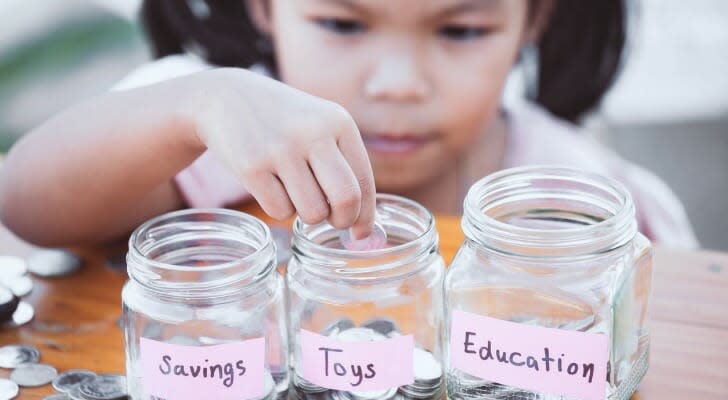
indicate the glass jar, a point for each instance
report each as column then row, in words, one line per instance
column 366, row 324
column 547, row 297
column 204, row 309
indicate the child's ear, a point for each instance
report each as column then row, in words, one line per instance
column 538, row 17
column 259, row 12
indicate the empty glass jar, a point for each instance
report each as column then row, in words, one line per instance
column 547, row 297
column 204, row 309
column 365, row 324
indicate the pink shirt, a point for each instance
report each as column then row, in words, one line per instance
column 535, row 137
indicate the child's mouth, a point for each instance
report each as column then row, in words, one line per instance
column 395, row 144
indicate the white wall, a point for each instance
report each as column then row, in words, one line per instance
column 678, row 64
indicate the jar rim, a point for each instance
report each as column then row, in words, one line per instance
column 395, row 260
column 136, row 253
column 619, row 226
column 299, row 225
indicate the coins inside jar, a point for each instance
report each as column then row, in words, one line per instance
column 67, row 381
column 427, row 368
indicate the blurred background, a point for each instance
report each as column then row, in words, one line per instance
column 668, row 111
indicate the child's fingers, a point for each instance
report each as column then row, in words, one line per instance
column 303, row 190
column 269, row 192
column 353, row 150
column 338, row 183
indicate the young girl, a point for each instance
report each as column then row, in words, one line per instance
column 325, row 99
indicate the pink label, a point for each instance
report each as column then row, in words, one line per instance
column 567, row 363
column 357, row 366
column 230, row 371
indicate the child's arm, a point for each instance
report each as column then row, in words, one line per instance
column 97, row 170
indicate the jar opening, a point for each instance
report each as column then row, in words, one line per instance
column 410, row 230
column 549, row 211
column 200, row 249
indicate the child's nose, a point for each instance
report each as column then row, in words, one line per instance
column 397, row 77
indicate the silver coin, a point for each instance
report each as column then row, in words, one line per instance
column 360, row 335
column 8, row 389
column 66, row 381
column 103, row 387
column 14, row 355
column 20, row 285
column 306, row 386
column 375, row 241
column 57, row 396
column 53, row 262
column 75, row 393
column 427, row 368
column 12, row 266
column 385, row 326
column 383, row 394
column 337, row 326
column 22, row 315
column 32, row 375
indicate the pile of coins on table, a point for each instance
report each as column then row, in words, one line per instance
column 427, row 369
column 69, row 385
column 15, row 281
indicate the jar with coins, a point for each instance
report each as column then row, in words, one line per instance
column 365, row 315
column 204, row 309
column 547, row 297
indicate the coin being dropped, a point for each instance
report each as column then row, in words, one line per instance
column 23, row 314
column 375, row 241
column 8, row 304
column 14, row 355
column 68, row 380
column 12, row 266
column 53, row 262
column 32, row 375
column 103, row 387
column 8, row 389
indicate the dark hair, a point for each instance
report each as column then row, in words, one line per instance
column 579, row 55
column 579, row 51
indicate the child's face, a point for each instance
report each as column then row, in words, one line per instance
column 422, row 78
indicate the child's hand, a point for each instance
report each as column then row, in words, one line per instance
column 292, row 151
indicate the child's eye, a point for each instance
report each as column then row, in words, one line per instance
column 341, row 26
column 461, row 32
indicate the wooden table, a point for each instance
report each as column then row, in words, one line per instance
column 76, row 318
